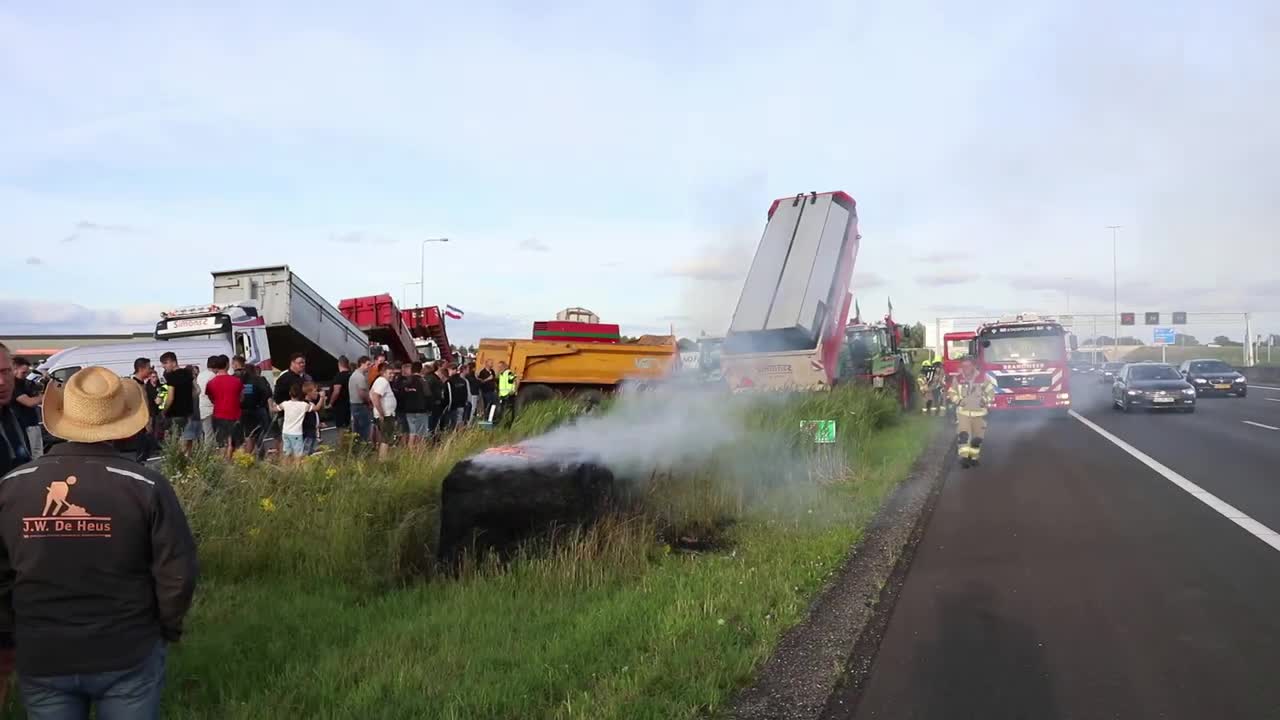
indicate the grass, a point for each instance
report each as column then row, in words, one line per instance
column 317, row 598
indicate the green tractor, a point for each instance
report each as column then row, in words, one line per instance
column 873, row 355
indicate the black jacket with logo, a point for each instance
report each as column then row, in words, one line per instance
column 97, row 562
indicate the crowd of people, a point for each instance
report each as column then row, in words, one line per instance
column 101, row 536
column 230, row 404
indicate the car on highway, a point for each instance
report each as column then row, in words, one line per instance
column 1152, row 386
column 1109, row 371
column 1214, row 377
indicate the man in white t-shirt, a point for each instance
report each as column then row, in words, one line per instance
column 383, row 400
column 206, row 403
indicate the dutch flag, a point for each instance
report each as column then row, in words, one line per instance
column 452, row 312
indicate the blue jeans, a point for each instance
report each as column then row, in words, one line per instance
column 294, row 445
column 362, row 421
column 132, row 694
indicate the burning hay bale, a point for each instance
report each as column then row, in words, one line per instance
column 494, row 501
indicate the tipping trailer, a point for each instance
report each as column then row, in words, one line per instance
column 426, row 325
column 545, row 368
column 381, row 321
column 788, row 328
column 296, row 318
column 1026, row 357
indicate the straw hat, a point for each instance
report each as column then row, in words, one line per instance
column 95, row 405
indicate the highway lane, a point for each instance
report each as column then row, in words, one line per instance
column 1216, row 447
column 1063, row 578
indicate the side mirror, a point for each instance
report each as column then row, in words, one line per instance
column 986, row 343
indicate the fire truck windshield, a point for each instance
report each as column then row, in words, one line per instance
column 957, row 349
column 1024, row 348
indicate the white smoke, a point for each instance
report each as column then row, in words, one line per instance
column 669, row 426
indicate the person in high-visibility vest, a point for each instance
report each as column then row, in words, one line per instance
column 971, row 393
column 506, row 394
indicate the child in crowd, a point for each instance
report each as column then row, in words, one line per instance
column 311, row 423
column 292, row 434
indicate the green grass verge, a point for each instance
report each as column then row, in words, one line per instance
column 308, row 606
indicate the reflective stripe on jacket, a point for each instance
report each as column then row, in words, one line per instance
column 506, row 383
column 973, row 396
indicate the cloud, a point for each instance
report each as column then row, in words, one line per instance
column 33, row 260
column 944, row 279
column 88, row 226
column 867, row 280
column 534, row 245
column 85, row 225
column 356, row 237
column 944, row 256
column 675, row 318
column 704, row 269
column 26, row 317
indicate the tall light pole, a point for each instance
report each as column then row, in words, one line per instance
column 1115, row 296
column 422, row 270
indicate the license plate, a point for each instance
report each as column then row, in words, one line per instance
column 1021, row 398
column 1222, row 386
column 1162, row 399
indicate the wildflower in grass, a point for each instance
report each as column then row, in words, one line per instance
column 255, row 532
column 331, row 473
column 267, row 505
column 242, row 460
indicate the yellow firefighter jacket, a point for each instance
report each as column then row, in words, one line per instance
column 972, row 397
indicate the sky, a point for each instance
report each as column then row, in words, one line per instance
column 622, row 157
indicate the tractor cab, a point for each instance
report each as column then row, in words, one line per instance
column 873, row 355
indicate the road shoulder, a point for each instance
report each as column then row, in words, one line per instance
column 836, row 642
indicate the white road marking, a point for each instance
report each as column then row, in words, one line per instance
column 1265, row 387
column 1258, row 424
column 1253, row 527
column 1272, row 399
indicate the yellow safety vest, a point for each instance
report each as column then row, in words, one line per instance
column 506, row 383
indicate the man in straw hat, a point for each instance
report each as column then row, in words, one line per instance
column 99, row 565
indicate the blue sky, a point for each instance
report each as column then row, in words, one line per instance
column 622, row 156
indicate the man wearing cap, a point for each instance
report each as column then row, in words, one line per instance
column 98, row 565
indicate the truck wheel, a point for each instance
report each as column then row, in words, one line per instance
column 589, row 398
column 535, row 393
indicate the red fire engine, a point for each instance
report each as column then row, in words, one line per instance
column 1025, row 356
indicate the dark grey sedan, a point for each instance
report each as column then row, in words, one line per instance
column 1152, row 386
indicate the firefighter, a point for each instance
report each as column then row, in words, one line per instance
column 971, row 393
column 930, row 382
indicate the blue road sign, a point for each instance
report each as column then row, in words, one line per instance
column 1163, row 335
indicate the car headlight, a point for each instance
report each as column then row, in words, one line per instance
column 1064, row 396
column 1200, row 380
column 1135, row 392
column 1189, row 391
column 1241, row 380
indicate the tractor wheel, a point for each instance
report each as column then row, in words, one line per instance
column 530, row 394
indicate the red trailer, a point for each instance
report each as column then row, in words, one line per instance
column 428, row 323
column 571, row 331
column 381, row 320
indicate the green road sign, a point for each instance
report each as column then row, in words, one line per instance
column 824, row 431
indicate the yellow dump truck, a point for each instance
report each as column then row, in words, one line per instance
column 587, row 369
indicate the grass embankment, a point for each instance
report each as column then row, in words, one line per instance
column 1176, row 354
column 312, row 602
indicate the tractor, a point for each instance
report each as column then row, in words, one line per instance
column 873, row 355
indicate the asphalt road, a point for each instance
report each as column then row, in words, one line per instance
column 1065, row 578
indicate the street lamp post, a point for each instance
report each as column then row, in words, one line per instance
column 404, row 293
column 422, row 270
column 1115, row 296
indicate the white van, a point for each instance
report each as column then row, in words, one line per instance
column 119, row 358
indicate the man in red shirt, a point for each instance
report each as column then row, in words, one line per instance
column 225, row 391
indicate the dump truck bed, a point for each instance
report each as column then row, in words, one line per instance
column 565, row 365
